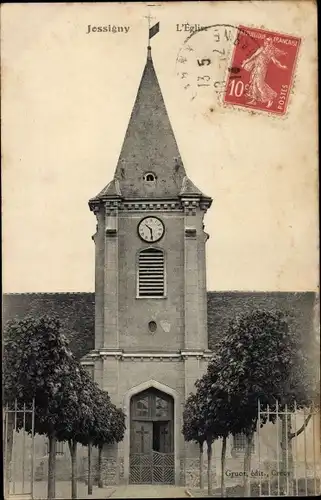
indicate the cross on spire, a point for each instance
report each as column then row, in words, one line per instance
column 151, row 32
column 149, row 18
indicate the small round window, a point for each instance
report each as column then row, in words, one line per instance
column 149, row 177
column 152, row 326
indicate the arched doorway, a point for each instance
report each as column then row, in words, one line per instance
column 152, row 438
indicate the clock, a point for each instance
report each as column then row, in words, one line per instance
column 151, row 229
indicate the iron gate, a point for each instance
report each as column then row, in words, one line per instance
column 152, row 468
column 19, row 450
column 295, row 470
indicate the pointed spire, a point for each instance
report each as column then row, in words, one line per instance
column 149, row 165
column 149, row 145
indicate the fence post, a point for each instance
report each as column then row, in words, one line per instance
column 277, row 421
column 32, row 446
column 314, row 455
column 23, row 446
column 6, row 452
column 269, row 476
column 14, row 448
column 259, row 445
column 305, row 456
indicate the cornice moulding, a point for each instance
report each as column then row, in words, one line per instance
column 173, row 356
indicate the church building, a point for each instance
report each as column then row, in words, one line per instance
column 147, row 333
column 150, row 294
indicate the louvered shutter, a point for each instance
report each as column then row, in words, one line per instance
column 151, row 273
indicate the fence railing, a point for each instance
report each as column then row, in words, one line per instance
column 19, row 450
column 289, row 463
column 285, row 455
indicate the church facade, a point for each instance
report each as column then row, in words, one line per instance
column 150, row 290
column 147, row 333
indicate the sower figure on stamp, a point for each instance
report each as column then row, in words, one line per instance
column 258, row 64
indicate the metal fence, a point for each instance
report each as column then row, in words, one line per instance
column 285, row 457
column 19, row 450
column 289, row 455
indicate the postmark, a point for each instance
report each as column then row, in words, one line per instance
column 203, row 60
column 238, row 66
column 263, row 79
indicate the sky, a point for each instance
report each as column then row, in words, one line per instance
column 67, row 96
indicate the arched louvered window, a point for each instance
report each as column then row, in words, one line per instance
column 151, row 273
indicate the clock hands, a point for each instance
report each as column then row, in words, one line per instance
column 151, row 231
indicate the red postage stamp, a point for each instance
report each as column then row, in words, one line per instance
column 261, row 72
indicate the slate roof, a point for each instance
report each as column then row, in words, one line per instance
column 76, row 312
column 112, row 190
column 189, row 189
column 149, row 146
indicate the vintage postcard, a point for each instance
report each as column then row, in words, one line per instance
column 160, row 249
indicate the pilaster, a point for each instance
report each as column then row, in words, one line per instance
column 195, row 328
column 99, row 240
column 111, row 334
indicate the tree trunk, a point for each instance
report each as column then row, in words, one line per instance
column 223, row 457
column 100, row 479
column 201, row 465
column 73, row 454
column 90, row 479
column 247, row 465
column 209, row 468
column 52, row 468
column 9, row 428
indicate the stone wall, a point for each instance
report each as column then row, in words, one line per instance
column 192, row 472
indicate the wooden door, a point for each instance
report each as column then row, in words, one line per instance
column 142, row 437
column 165, row 438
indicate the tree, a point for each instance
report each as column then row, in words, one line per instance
column 193, row 429
column 105, row 424
column 113, row 433
column 261, row 361
column 216, row 412
column 69, row 405
column 77, row 410
column 38, row 364
column 207, row 416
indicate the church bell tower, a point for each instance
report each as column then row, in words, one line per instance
column 150, row 277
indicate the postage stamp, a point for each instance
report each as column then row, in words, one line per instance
column 262, row 79
column 238, row 65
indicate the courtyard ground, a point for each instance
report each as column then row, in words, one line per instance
column 63, row 491
column 149, row 491
column 312, row 488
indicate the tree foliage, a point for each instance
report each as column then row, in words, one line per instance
column 263, row 359
column 36, row 360
column 70, row 406
column 259, row 358
column 193, row 428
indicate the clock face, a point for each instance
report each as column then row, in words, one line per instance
column 151, row 229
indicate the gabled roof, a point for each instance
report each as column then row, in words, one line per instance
column 77, row 312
